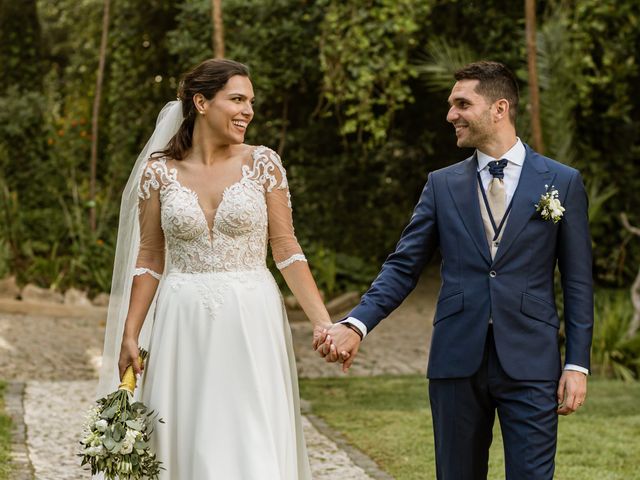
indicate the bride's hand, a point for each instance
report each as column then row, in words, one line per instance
column 323, row 344
column 320, row 334
column 129, row 353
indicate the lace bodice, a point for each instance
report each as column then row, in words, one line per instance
column 253, row 211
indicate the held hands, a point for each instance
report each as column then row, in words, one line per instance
column 129, row 354
column 572, row 391
column 336, row 342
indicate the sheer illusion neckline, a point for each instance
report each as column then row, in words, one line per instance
column 245, row 170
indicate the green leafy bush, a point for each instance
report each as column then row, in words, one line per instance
column 614, row 353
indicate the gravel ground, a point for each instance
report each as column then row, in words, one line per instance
column 44, row 348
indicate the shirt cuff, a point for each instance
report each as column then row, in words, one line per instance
column 356, row 323
column 576, row 368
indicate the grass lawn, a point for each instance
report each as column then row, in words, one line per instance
column 389, row 419
column 5, row 437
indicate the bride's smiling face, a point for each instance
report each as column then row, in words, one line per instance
column 228, row 114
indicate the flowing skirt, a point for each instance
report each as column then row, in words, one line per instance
column 221, row 374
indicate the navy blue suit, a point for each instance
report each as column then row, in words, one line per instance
column 515, row 289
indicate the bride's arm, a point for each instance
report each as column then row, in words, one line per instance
column 149, row 267
column 302, row 285
column 286, row 250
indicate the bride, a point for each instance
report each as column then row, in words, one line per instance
column 191, row 281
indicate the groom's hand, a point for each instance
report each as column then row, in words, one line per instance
column 346, row 343
column 572, row 390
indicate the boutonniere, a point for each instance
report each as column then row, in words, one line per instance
column 549, row 205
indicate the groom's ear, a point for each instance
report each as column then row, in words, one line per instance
column 501, row 110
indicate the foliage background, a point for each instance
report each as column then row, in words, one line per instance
column 352, row 93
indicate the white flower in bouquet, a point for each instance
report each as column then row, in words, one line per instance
column 101, row 425
column 97, row 451
column 130, row 438
column 93, row 415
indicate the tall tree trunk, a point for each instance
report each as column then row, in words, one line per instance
column 634, row 326
column 96, row 114
column 217, row 35
column 285, row 124
column 534, row 94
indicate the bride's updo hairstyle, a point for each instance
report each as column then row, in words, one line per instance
column 208, row 78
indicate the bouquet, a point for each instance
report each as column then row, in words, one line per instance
column 115, row 438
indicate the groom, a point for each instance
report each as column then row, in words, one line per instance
column 494, row 345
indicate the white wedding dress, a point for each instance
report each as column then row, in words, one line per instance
column 221, row 370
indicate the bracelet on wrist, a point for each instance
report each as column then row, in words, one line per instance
column 351, row 326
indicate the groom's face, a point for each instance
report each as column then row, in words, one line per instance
column 470, row 114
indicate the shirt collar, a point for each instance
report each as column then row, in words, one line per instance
column 515, row 154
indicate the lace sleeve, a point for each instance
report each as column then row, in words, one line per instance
column 272, row 175
column 151, row 253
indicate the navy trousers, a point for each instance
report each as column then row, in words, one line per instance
column 463, row 412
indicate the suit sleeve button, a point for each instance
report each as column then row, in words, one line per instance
column 492, row 274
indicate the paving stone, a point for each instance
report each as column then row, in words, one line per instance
column 54, row 414
column 101, row 300
column 328, row 461
column 9, row 287
column 76, row 297
column 21, row 468
column 33, row 293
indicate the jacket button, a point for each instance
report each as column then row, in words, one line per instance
column 492, row 274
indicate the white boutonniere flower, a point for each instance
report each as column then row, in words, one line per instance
column 549, row 205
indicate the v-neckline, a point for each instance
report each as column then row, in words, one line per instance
column 197, row 200
column 226, row 189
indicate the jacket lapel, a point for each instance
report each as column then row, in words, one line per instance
column 533, row 178
column 463, row 187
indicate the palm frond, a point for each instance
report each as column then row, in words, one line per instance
column 598, row 197
column 440, row 60
column 557, row 83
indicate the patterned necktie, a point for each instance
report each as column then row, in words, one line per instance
column 496, row 194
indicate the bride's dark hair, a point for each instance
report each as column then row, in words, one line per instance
column 208, row 78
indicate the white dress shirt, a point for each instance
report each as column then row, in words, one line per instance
column 515, row 156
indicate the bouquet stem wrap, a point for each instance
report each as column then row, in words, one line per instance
column 128, row 381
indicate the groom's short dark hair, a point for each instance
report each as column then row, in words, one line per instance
column 495, row 82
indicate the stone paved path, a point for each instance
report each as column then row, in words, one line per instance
column 55, row 358
column 52, row 439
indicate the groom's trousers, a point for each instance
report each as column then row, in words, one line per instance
column 463, row 412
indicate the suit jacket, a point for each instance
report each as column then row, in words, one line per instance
column 515, row 289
